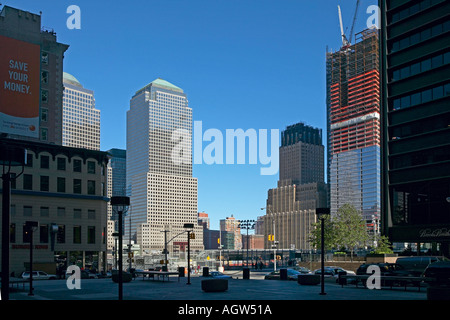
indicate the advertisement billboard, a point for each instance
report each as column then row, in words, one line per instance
column 19, row 87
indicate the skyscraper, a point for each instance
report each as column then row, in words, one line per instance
column 416, row 117
column 353, row 116
column 81, row 120
column 162, row 191
column 290, row 210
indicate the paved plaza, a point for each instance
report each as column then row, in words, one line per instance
column 244, row 297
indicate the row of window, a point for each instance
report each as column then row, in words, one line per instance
column 418, row 37
column 60, row 212
column 60, row 235
column 421, row 66
column 60, row 163
column 44, row 184
column 414, row 8
column 422, row 97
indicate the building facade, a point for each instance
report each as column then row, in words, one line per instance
column 232, row 238
column 163, row 193
column 353, row 116
column 64, row 190
column 21, row 33
column 291, row 207
column 415, row 46
column 81, row 120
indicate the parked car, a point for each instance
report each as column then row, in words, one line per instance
column 84, row 274
column 328, row 272
column 219, row 275
column 339, row 269
column 38, row 275
column 417, row 264
column 275, row 275
column 386, row 269
column 302, row 270
column 439, row 272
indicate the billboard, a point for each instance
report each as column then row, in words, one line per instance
column 19, row 87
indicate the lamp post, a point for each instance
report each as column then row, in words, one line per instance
column 247, row 224
column 30, row 227
column 9, row 156
column 121, row 204
column 322, row 213
column 189, row 226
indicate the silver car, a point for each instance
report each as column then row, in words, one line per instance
column 38, row 275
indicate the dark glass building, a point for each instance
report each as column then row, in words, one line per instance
column 415, row 64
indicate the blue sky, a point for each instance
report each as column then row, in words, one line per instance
column 249, row 64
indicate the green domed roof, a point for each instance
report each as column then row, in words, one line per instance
column 67, row 77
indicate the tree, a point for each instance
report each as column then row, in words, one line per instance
column 315, row 237
column 383, row 246
column 349, row 228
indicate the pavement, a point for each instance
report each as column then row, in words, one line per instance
column 178, row 295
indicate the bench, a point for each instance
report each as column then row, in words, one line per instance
column 386, row 281
column 160, row 274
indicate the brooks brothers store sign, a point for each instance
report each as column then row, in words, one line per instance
column 421, row 234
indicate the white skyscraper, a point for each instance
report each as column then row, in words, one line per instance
column 81, row 121
column 163, row 193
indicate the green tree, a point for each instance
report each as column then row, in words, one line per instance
column 349, row 228
column 315, row 237
column 383, row 246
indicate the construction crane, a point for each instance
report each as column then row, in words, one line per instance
column 346, row 42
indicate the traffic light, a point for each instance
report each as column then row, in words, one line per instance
column 192, row 235
column 271, row 237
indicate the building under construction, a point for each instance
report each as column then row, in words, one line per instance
column 353, row 125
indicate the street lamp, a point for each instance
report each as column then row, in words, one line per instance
column 9, row 156
column 30, row 227
column 120, row 204
column 322, row 214
column 247, row 224
column 189, row 226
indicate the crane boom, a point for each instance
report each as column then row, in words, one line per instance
column 344, row 38
column 354, row 20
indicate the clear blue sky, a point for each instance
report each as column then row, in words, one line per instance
column 242, row 63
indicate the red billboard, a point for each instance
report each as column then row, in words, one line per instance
column 19, row 87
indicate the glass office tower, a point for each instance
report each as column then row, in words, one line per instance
column 353, row 116
column 415, row 60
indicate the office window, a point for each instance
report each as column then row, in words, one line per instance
column 29, row 160
column 77, row 234
column 43, row 233
column 91, row 166
column 45, row 183
column 77, row 186
column 91, row 235
column 12, row 233
column 61, row 184
column 45, row 162
column 61, row 163
column 91, row 186
column 61, row 234
column 77, row 165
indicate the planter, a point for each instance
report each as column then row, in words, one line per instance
column 382, row 258
column 308, row 279
column 126, row 277
column 215, row 285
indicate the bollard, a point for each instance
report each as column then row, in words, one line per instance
column 246, row 273
column 205, row 271
column 283, row 274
